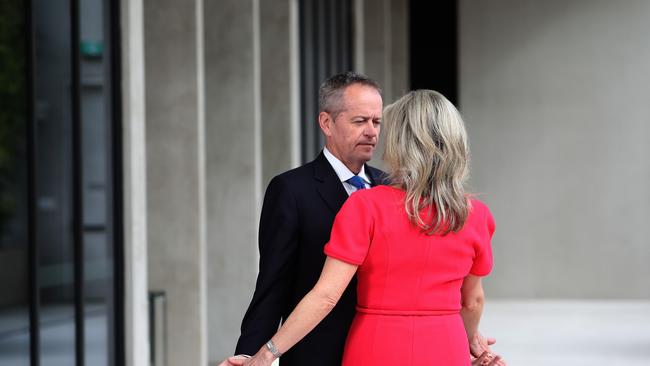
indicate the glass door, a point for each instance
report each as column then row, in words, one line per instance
column 14, row 228
column 59, row 153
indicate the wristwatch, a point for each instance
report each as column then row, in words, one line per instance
column 273, row 349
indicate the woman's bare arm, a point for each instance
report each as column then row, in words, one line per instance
column 333, row 281
column 472, row 299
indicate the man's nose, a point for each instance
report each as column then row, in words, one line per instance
column 371, row 129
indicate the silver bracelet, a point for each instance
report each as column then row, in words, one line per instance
column 273, row 349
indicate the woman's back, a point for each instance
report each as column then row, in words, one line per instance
column 409, row 282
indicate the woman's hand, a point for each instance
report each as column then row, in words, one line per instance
column 479, row 344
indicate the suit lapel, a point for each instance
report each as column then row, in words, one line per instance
column 329, row 186
column 371, row 175
column 376, row 176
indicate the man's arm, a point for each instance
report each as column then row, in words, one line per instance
column 278, row 246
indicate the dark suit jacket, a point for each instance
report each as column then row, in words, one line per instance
column 297, row 216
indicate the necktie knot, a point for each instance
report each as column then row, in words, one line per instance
column 357, row 182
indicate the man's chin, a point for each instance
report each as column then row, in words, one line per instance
column 365, row 157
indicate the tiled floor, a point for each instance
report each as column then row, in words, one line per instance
column 575, row 333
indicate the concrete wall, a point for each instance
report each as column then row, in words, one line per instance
column 382, row 48
column 222, row 120
column 555, row 98
column 279, row 87
column 176, row 250
column 252, row 95
column 233, row 165
column 252, row 135
column 553, row 94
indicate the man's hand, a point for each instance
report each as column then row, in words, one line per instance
column 234, row 360
column 479, row 347
column 479, row 344
column 488, row 359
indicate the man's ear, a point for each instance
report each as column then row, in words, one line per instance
column 325, row 121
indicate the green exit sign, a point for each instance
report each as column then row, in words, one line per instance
column 92, row 48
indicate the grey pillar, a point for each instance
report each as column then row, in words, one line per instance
column 233, row 165
column 382, row 49
column 135, row 179
column 174, row 157
column 279, row 82
column 251, row 133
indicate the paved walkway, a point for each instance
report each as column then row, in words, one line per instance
column 529, row 333
column 573, row 333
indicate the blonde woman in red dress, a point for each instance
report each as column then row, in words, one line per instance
column 418, row 246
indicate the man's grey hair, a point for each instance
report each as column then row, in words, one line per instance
column 330, row 93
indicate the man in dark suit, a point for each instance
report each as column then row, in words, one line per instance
column 297, row 216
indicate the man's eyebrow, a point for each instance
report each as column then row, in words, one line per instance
column 365, row 117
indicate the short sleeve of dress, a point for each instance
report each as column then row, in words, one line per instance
column 352, row 231
column 483, row 260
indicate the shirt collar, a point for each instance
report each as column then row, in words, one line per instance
column 341, row 170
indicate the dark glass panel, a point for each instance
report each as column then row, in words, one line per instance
column 53, row 126
column 96, row 107
column 14, row 260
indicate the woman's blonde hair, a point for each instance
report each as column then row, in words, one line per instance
column 428, row 156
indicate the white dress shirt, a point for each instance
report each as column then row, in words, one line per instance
column 344, row 173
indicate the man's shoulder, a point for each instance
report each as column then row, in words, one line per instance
column 305, row 170
column 293, row 176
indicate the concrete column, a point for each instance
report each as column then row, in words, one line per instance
column 384, row 45
column 280, row 85
column 233, row 164
column 175, row 170
column 135, row 184
column 382, row 49
column 399, row 55
column 252, row 135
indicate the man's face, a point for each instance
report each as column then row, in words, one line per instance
column 352, row 136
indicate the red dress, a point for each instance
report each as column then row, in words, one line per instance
column 408, row 282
